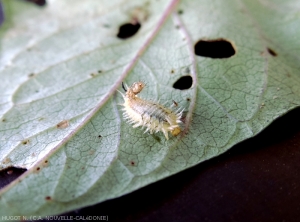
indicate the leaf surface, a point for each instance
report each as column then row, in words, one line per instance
column 61, row 67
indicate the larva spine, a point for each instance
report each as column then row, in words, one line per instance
column 149, row 114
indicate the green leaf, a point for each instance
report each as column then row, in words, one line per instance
column 61, row 67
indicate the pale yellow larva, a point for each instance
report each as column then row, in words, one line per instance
column 152, row 115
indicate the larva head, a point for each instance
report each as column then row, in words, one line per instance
column 137, row 87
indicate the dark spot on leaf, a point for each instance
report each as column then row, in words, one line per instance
column 128, row 30
column 180, row 11
column 184, row 82
column 31, row 75
column 187, row 70
column 38, row 168
column 216, row 49
column 63, row 124
column 38, row 2
column 99, row 136
column 188, row 99
column 95, row 74
column 272, row 52
column 48, row 198
column 3, row 120
column 175, row 103
column 132, row 163
column 25, row 142
column 45, row 164
column 172, row 71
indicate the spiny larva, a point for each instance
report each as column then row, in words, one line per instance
column 152, row 115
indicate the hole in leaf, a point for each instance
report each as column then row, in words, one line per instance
column 184, row 82
column 219, row 48
column 272, row 52
column 127, row 30
column 38, row 2
column 9, row 174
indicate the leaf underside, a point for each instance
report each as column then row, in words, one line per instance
column 61, row 67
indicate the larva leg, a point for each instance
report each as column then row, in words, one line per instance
column 165, row 133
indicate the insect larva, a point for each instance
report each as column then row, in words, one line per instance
column 152, row 115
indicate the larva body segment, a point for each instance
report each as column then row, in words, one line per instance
column 152, row 115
